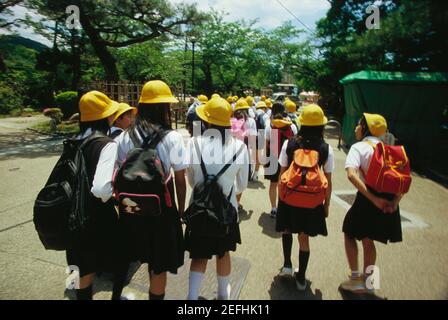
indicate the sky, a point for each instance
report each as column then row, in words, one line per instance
column 270, row 13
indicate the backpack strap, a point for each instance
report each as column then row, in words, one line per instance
column 150, row 140
column 224, row 169
column 204, row 170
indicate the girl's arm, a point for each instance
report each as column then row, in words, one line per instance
column 181, row 190
column 380, row 203
column 328, row 195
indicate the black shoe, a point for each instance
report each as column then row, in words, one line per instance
column 273, row 213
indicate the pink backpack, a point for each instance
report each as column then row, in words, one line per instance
column 238, row 129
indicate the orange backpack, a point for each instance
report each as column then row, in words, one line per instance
column 389, row 170
column 304, row 184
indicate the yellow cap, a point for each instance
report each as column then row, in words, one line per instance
column 268, row 103
column 216, row 95
column 313, row 116
column 235, row 98
column 230, row 99
column 202, row 98
column 95, row 105
column 250, row 101
column 122, row 108
column 290, row 106
column 216, row 111
column 157, row 91
column 261, row 104
column 263, row 98
column 241, row 104
column 376, row 123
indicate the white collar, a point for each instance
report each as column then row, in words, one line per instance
column 372, row 139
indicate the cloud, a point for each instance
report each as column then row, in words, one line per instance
column 269, row 13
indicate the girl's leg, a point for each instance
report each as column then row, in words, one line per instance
column 273, row 195
column 355, row 283
column 85, row 287
column 238, row 198
column 119, row 280
column 287, row 248
column 197, row 270
column 223, row 269
column 351, row 250
column 369, row 253
column 157, row 285
column 304, row 256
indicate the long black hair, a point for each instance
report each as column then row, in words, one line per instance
column 223, row 131
column 310, row 135
column 98, row 125
column 240, row 114
column 278, row 111
column 364, row 127
column 152, row 114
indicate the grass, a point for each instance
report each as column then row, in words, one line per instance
column 63, row 128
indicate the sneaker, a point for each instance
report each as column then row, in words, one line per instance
column 354, row 285
column 286, row 272
column 273, row 213
column 301, row 286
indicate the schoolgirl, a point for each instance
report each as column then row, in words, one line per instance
column 94, row 251
column 158, row 240
column 282, row 129
column 244, row 128
column 123, row 118
column 216, row 115
column 305, row 222
column 373, row 216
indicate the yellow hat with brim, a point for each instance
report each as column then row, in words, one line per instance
column 216, row 95
column 216, row 111
column 242, row 105
column 123, row 108
column 313, row 116
column 250, row 100
column 261, row 105
column 157, row 91
column 377, row 124
column 268, row 103
column 290, row 106
column 95, row 105
column 203, row 98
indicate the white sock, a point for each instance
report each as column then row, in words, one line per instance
column 224, row 288
column 195, row 280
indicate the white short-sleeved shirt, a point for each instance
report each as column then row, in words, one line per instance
column 251, row 112
column 251, row 127
column 171, row 150
column 360, row 155
column 215, row 156
column 328, row 166
column 102, row 181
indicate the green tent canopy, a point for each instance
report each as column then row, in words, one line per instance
column 412, row 103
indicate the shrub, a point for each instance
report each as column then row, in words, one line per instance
column 67, row 102
column 53, row 113
column 9, row 99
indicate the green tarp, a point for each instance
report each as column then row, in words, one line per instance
column 412, row 103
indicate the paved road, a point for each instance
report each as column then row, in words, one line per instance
column 413, row 269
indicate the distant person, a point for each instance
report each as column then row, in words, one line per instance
column 123, row 118
column 284, row 130
column 191, row 113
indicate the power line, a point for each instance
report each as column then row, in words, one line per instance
column 295, row 17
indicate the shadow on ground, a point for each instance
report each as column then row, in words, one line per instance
column 268, row 226
column 347, row 295
column 284, row 288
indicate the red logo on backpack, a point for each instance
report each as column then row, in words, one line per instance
column 389, row 170
column 304, row 184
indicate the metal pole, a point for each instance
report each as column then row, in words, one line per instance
column 192, row 70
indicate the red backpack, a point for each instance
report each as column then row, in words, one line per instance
column 389, row 170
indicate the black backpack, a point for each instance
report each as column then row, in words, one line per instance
column 60, row 213
column 141, row 185
column 211, row 214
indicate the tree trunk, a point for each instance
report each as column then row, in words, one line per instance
column 2, row 64
column 208, row 82
column 107, row 59
column 76, row 57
